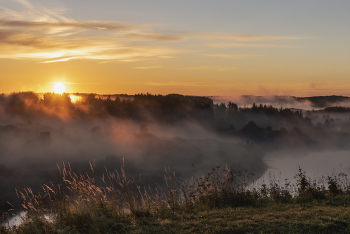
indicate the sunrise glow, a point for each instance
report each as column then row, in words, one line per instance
column 113, row 52
column 74, row 98
column 59, row 88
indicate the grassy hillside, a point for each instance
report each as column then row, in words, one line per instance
column 224, row 201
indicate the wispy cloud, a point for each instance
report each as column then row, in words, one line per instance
column 242, row 37
column 69, row 24
column 210, row 68
column 59, row 60
column 225, row 45
column 65, row 41
column 33, row 13
column 233, row 56
column 48, row 36
column 142, row 68
column 153, row 37
column 166, row 56
column 180, row 84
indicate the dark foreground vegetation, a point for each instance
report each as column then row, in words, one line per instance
column 224, row 201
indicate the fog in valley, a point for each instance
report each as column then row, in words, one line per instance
column 150, row 134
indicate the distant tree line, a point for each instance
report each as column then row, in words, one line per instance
column 165, row 108
column 260, row 124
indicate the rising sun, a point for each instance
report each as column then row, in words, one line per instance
column 59, row 88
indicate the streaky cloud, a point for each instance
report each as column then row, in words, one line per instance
column 234, row 56
column 144, row 68
column 186, row 84
column 226, row 45
column 59, row 60
column 211, row 68
column 241, row 37
column 73, row 24
column 154, row 37
column 47, row 36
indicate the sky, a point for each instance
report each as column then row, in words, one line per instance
column 193, row 47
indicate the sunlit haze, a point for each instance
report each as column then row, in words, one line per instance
column 200, row 47
column 59, row 88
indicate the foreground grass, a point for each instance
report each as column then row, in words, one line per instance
column 223, row 202
column 272, row 218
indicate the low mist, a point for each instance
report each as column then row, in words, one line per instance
column 149, row 134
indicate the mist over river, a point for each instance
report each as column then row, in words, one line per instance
column 285, row 164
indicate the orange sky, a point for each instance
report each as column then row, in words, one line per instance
column 286, row 49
